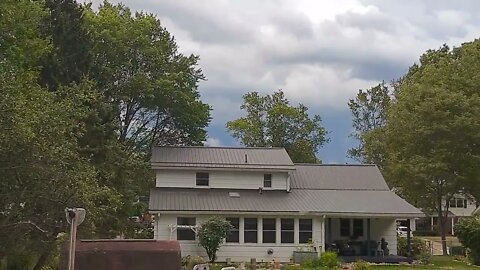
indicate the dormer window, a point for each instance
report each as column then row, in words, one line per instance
column 267, row 180
column 202, row 179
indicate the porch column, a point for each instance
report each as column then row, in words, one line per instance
column 431, row 223
column 409, row 242
column 322, row 231
column 241, row 230
column 368, row 237
column 453, row 224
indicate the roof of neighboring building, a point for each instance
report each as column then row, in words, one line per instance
column 302, row 201
column 477, row 211
column 333, row 177
column 221, row 157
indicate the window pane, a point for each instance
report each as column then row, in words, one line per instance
column 267, row 180
column 460, row 203
column 287, row 224
column 250, row 237
column 453, row 203
column 202, row 179
column 250, row 230
column 269, row 230
column 305, row 237
column 250, row 223
column 234, row 235
column 185, row 233
column 269, row 224
column 305, row 228
column 358, row 227
column 344, row 227
column 287, row 237
column 464, row 203
column 305, row 224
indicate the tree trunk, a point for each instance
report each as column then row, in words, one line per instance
column 42, row 260
column 442, row 222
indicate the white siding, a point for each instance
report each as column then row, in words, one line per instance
column 220, row 179
column 239, row 252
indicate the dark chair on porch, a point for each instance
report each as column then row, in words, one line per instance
column 370, row 248
column 344, row 249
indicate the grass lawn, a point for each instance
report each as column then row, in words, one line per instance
column 437, row 262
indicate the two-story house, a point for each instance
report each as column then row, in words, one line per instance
column 276, row 207
column 460, row 206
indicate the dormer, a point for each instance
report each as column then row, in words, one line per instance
column 222, row 167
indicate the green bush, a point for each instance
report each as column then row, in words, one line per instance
column 468, row 232
column 312, row 263
column 188, row 262
column 329, row 260
column 361, row 265
column 419, row 249
column 211, row 234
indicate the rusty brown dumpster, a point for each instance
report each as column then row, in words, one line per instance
column 124, row 255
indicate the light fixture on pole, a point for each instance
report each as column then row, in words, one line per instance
column 75, row 217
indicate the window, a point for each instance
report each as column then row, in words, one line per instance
column 287, row 230
column 267, row 180
column 358, row 227
column 305, row 230
column 185, row 233
column 458, row 203
column 269, row 230
column 344, row 227
column 234, row 235
column 250, row 230
column 202, row 179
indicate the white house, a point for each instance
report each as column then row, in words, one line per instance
column 275, row 206
column 460, row 206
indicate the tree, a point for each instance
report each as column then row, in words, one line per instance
column 271, row 121
column 432, row 135
column 211, row 234
column 369, row 111
column 468, row 232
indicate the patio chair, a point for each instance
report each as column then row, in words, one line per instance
column 344, row 249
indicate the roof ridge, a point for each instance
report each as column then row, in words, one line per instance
column 333, row 164
column 216, row 147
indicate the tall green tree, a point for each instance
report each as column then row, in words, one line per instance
column 271, row 121
column 369, row 112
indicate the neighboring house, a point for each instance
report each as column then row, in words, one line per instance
column 460, row 206
column 477, row 211
column 276, row 207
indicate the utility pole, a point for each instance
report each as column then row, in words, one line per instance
column 75, row 217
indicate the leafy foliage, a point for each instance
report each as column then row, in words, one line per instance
column 271, row 121
column 360, row 265
column 211, row 234
column 468, row 232
column 419, row 249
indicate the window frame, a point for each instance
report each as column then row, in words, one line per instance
column 286, row 231
column 356, row 222
column 250, row 231
column 184, row 230
column 266, row 180
column 234, row 230
column 269, row 231
column 197, row 179
column 304, row 231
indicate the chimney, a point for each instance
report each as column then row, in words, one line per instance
column 246, row 158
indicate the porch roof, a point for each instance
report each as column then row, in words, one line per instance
column 298, row 201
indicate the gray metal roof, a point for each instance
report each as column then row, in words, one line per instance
column 221, row 157
column 333, row 202
column 344, row 177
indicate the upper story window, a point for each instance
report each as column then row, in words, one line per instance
column 458, row 203
column 185, row 233
column 267, row 180
column 202, row 179
column 234, row 235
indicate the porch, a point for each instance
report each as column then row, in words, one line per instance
column 370, row 239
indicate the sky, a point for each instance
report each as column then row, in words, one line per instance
column 320, row 53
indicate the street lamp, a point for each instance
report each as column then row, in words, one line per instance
column 75, row 217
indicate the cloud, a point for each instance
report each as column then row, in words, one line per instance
column 213, row 142
column 319, row 52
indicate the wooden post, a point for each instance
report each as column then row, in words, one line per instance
column 368, row 238
column 253, row 264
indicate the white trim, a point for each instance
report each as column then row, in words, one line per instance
column 174, row 227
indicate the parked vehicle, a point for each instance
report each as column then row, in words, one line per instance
column 402, row 231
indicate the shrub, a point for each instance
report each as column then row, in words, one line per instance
column 361, row 265
column 312, row 263
column 419, row 249
column 188, row 262
column 468, row 232
column 211, row 234
column 329, row 260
